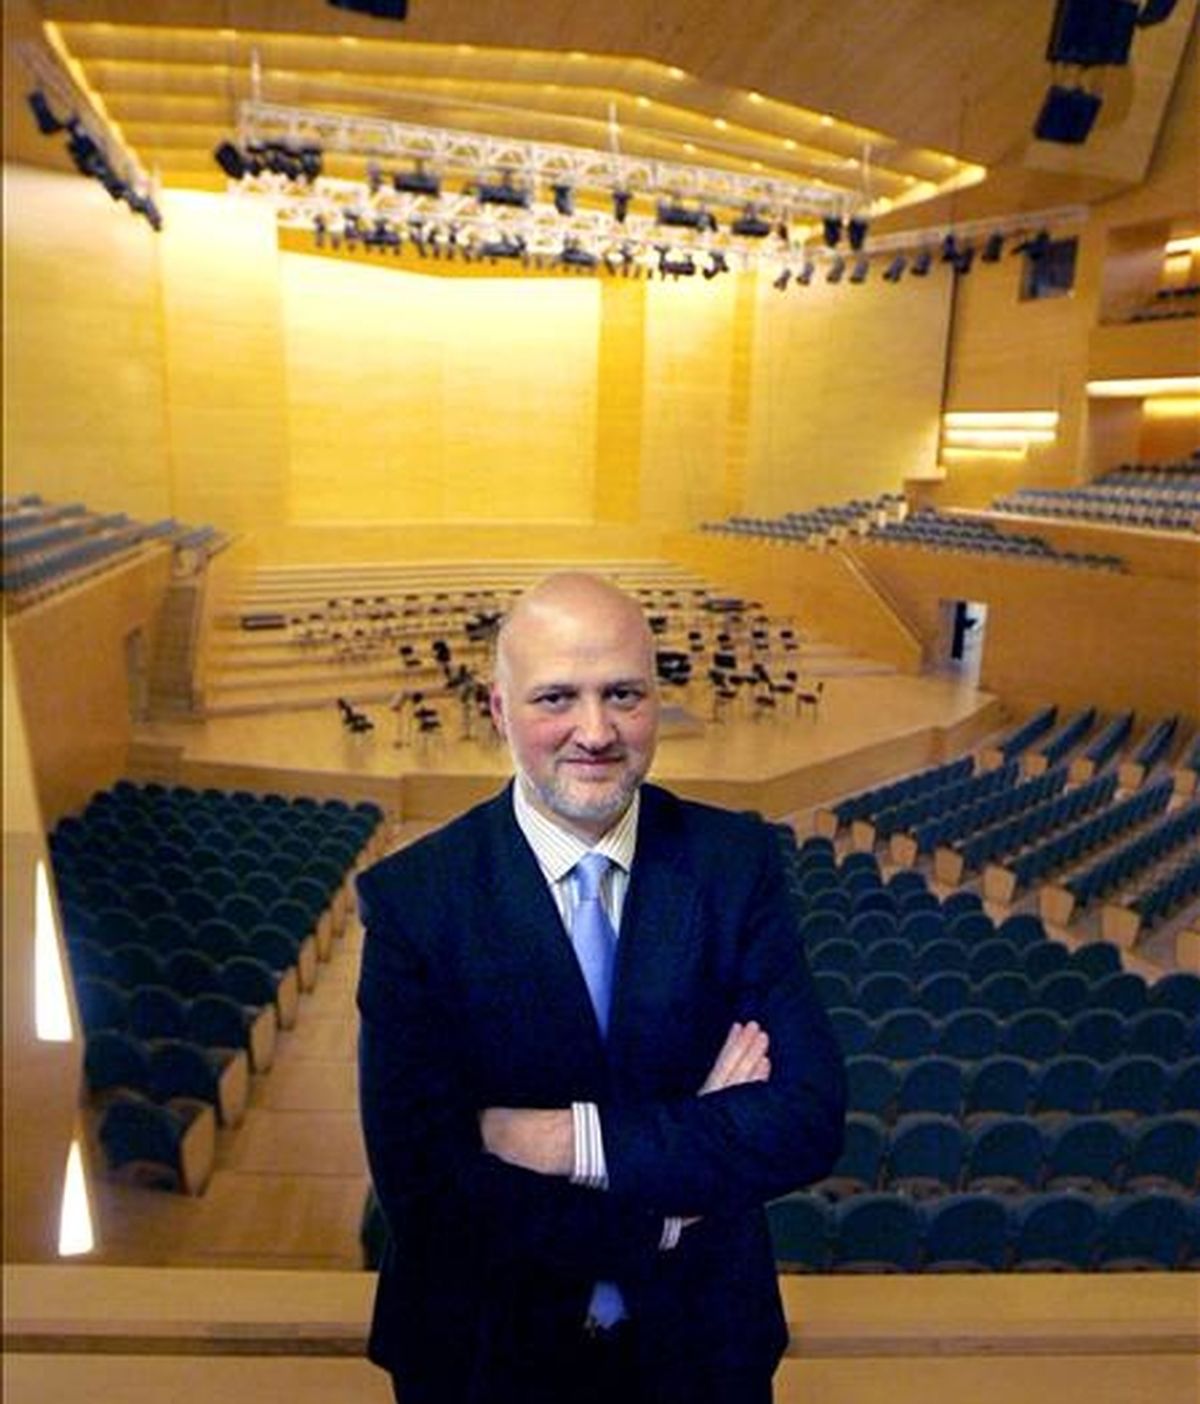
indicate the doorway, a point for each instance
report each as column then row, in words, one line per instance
column 964, row 623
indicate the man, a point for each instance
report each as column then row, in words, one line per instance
column 572, row 1155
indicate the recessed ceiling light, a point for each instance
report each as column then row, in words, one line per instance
column 789, row 144
column 687, row 146
column 643, row 102
column 826, row 120
column 720, row 123
column 676, row 72
column 755, row 97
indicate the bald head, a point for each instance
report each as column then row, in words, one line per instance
column 574, row 696
column 576, row 601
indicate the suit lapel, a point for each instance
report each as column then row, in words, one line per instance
column 526, row 920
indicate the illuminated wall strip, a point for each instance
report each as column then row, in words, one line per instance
column 52, row 1009
column 961, row 454
column 75, row 1232
column 1001, row 419
column 1000, row 438
column 1188, row 245
column 1173, row 407
column 1140, row 389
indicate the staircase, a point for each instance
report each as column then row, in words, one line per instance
column 172, row 690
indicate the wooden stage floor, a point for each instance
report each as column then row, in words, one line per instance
column 868, row 727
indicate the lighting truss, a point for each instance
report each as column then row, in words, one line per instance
column 68, row 100
column 538, row 164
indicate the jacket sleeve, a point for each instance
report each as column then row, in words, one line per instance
column 422, row 1137
column 729, row 1150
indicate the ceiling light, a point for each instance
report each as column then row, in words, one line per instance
column 862, row 267
column 832, row 227
column 836, row 269
column 564, row 198
column 856, row 231
column 993, row 248
column 895, row 269
column 1140, row 387
column 783, row 280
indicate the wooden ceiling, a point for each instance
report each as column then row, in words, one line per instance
column 936, row 95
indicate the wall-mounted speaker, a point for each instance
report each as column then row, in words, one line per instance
column 379, row 9
column 1067, row 116
column 1091, row 33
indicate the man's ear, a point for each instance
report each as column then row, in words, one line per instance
column 496, row 707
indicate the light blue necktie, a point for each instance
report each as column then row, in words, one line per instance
column 595, row 944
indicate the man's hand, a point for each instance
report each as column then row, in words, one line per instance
column 531, row 1138
column 742, row 1059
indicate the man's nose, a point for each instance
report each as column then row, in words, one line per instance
column 594, row 727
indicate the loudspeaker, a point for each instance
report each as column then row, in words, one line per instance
column 1067, row 116
column 1089, row 33
column 381, row 9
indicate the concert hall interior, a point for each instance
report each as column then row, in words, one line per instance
column 859, row 342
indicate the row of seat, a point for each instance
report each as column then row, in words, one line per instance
column 864, row 951
column 193, row 918
column 976, row 1031
column 1060, row 813
column 1070, row 1084
column 959, row 794
column 1013, row 800
column 1061, row 1231
column 1118, row 867
column 933, row 529
column 867, row 804
column 927, row 1154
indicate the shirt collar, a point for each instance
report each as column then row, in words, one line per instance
column 558, row 850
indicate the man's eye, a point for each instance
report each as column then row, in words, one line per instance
column 553, row 700
column 625, row 696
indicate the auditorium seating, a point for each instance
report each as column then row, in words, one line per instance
column 1165, row 497
column 818, row 526
column 45, row 547
column 938, row 531
column 192, row 918
column 987, row 1063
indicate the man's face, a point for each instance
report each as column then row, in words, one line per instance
column 575, row 699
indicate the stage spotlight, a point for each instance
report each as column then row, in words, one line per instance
column 862, row 267
column 836, row 269
column 921, row 264
column 949, row 249
column 856, row 232
column 416, row 182
column 564, row 198
column 805, row 276
column 621, row 200
column 1034, row 247
column 574, row 255
column 750, row 225
column 993, row 249
column 502, row 192
column 895, row 269
column 87, row 157
column 966, row 256
column 716, row 265
column 320, row 229
column 783, row 280
column 310, row 160
column 43, row 115
column 832, row 227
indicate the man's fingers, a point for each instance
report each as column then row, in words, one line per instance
column 741, row 1059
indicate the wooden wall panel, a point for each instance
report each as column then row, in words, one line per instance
column 689, row 347
column 69, row 654
column 847, row 390
column 83, row 366
column 224, row 361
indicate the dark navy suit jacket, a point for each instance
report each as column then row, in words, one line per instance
column 470, row 996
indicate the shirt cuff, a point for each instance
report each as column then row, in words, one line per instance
column 590, row 1169
column 671, row 1230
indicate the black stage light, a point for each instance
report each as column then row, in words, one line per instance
column 750, row 225
column 716, row 264
column 833, row 230
column 679, row 216
column 966, row 256
column 502, row 192
column 47, row 122
column 862, row 267
column 1036, row 246
column 1154, row 12
column 87, row 157
column 575, row 256
column 836, row 269
column 895, row 269
column 310, row 162
column 856, row 232
column 949, row 249
column 417, row 182
column 783, row 280
column 320, row 229
column 621, row 199
column 377, row 9
column 805, row 276
column 920, row 264
column 993, row 248
column 1092, row 33
column 504, row 247
column 564, row 198
column 1067, row 116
